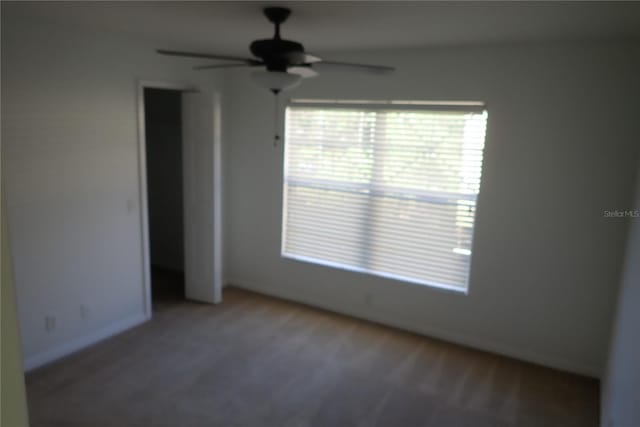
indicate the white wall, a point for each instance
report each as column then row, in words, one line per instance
column 561, row 148
column 69, row 134
column 621, row 391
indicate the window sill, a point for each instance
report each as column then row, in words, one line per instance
column 407, row 280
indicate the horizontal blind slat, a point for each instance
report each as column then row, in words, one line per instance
column 386, row 191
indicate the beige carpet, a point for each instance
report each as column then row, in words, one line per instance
column 260, row 361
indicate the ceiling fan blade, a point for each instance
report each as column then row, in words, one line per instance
column 310, row 59
column 368, row 67
column 214, row 66
column 304, row 71
column 300, row 58
column 249, row 61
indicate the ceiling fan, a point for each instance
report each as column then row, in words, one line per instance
column 286, row 61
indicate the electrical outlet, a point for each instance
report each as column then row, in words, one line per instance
column 49, row 323
column 368, row 299
column 84, row 311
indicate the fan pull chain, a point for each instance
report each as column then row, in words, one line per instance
column 276, row 119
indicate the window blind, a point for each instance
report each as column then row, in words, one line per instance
column 385, row 189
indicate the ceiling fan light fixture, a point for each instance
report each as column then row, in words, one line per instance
column 276, row 81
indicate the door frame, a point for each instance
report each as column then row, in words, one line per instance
column 141, row 85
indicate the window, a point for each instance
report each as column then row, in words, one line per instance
column 385, row 188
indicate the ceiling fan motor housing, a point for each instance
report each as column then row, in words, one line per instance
column 278, row 54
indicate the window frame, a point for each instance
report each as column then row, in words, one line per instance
column 404, row 105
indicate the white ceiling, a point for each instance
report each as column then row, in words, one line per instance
column 228, row 27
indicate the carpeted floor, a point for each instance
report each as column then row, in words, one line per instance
column 260, row 361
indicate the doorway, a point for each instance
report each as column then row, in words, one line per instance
column 190, row 167
column 164, row 148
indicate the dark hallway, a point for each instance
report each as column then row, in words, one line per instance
column 163, row 127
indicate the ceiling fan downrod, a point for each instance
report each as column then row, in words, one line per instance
column 277, row 15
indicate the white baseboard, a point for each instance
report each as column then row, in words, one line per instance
column 76, row 344
column 422, row 329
